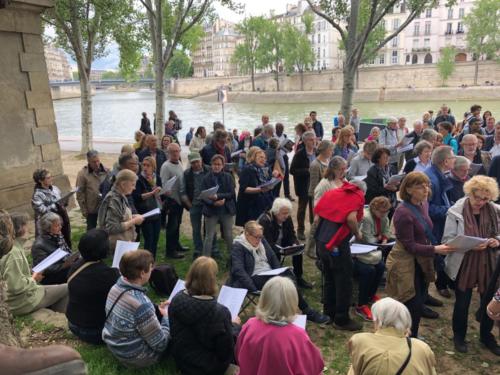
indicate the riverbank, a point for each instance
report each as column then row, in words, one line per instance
column 444, row 94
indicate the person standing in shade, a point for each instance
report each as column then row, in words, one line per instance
column 152, row 150
column 361, row 163
column 389, row 138
column 173, row 168
column 145, row 124
column 284, row 150
column 355, row 122
column 88, row 181
column 300, row 170
column 459, row 174
column 444, row 116
column 317, row 125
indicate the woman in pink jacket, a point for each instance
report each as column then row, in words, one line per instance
column 270, row 344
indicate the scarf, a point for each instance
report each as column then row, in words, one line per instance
column 257, row 251
column 385, row 172
column 220, row 150
column 151, row 181
column 477, row 266
column 59, row 240
column 336, row 204
column 260, row 172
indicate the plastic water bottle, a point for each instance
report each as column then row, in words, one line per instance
column 335, row 252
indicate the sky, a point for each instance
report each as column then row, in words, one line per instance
column 252, row 8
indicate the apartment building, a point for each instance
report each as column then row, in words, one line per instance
column 58, row 67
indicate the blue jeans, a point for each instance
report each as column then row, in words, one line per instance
column 151, row 232
column 196, row 216
column 89, row 335
column 369, row 277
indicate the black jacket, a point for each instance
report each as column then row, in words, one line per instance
column 226, row 191
column 272, row 231
column 189, row 181
column 43, row 246
column 87, row 292
column 160, row 158
column 209, row 151
column 457, row 192
column 202, row 335
column 145, row 125
column 375, row 186
column 300, row 171
column 142, row 206
column 243, row 264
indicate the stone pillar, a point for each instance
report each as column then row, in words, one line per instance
column 28, row 133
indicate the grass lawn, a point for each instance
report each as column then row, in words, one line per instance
column 331, row 341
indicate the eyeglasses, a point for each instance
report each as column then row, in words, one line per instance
column 480, row 199
column 256, row 237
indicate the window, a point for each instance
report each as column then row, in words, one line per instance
column 427, row 43
column 415, row 43
column 460, row 28
column 382, row 23
column 427, row 28
column 319, row 38
column 416, row 28
column 324, row 38
column 381, row 59
column 324, row 54
column 395, row 41
column 461, row 13
column 395, row 23
column 428, row 13
column 450, row 13
column 449, row 26
column 394, row 59
column 319, row 54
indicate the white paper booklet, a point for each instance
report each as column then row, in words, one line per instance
column 179, row 285
column 276, row 271
column 232, row 298
column 169, row 185
column 271, row 183
column 358, row 248
column 300, row 321
column 205, row 194
column 121, row 248
column 464, row 243
column 358, row 178
column 396, row 179
column 154, row 212
column 402, row 149
column 53, row 258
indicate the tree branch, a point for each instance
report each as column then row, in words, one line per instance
column 330, row 20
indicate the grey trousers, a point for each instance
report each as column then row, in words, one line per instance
column 55, row 298
column 227, row 222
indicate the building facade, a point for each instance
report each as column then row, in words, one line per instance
column 58, row 66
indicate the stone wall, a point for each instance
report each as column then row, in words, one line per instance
column 372, row 78
column 28, row 130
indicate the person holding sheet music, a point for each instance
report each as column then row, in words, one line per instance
column 47, row 198
column 217, row 145
column 251, row 255
column 146, row 198
column 279, row 231
column 89, row 282
column 474, row 215
column 422, row 161
column 24, row 294
column 410, row 264
column 253, row 199
column 361, row 163
column 219, row 208
column 50, row 240
column 202, row 331
column 115, row 214
column 270, row 343
column 378, row 176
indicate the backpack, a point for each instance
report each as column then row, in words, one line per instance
column 163, row 279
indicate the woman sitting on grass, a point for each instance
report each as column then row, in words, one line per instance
column 132, row 331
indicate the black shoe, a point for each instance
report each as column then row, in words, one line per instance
column 316, row 317
column 175, row 255
column 444, row 293
column 460, row 345
column 429, row 314
column 492, row 346
column 301, row 236
column 350, row 325
column 290, row 198
column 304, row 284
column 431, row 301
column 183, row 249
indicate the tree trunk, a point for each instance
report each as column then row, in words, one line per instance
column 252, row 74
column 277, row 81
column 301, row 80
column 86, row 104
column 357, row 78
column 160, row 99
column 8, row 333
column 476, row 71
column 347, row 91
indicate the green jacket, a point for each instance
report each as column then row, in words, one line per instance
column 23, row 293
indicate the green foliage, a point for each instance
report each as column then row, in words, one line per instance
column 446, row 63
column 483, row 29
column 180, row 65
column 270, row 40
column 248, row 54
column 298, row 50
column 111, row 75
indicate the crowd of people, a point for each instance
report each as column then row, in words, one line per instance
column 408, row 193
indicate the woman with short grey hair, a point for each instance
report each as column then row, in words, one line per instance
column 390, row 347
column 422, row 161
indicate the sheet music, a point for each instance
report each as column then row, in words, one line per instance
column 358, row 178
column 169, row 185
column 276, row 271
column 69, row 194
column 121, row 248
column 179, row 285
column 396, row 179
column 236, row 153
column 206, row 194
column 232, row 298
column 271, row 183
column 153, row 212
column 474, row 168
column 464, row 243
column 53, row 258
column 300, row 321
column 358, row 248
column 402, row 149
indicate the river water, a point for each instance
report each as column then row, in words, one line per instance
column 117, row 114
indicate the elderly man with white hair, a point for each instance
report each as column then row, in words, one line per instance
column 279, row 231
column 469, row 148
column 414, row 137
column 390, row 350
column 459, row 174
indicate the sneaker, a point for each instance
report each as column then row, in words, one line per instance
column 375, row 298
column 304, row 284
column 431, row 301
column 316, row 317
column 429, row 313
column 350, row 325
column 364, row 312
column 460, row 345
